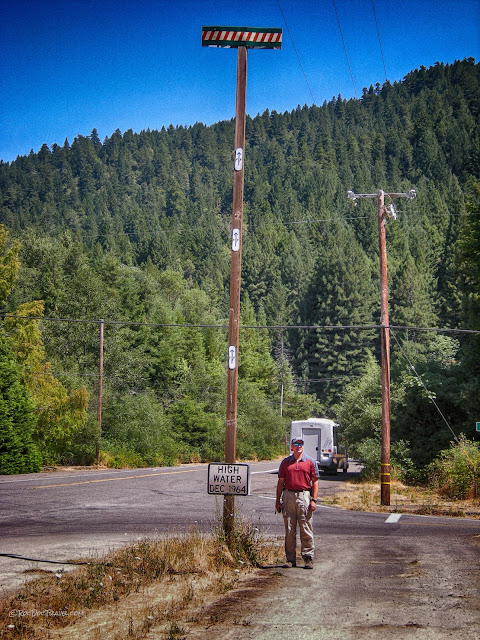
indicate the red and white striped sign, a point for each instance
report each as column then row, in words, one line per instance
column 242, row 37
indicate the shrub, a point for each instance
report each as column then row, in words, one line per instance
column 402, row 466
column 455, row 472
column 368, row 452
column 137, row 432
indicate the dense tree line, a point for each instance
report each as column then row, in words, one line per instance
column 135, row 230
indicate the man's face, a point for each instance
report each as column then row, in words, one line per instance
column 297, row 448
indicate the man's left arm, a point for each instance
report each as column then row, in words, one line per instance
column 314, row 494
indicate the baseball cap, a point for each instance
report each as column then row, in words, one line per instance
column 297, row 441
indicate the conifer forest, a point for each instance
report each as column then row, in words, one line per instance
column 134, row 230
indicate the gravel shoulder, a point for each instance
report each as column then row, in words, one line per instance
column 408, row 590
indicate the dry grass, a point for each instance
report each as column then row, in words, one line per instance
column 149, row 585
column 366, row 497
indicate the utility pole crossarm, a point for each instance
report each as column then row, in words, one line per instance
column 409, row 194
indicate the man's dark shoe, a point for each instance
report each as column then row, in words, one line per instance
column 289, row 565
column 308, row 563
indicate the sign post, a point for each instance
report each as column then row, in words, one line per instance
column 240, row 38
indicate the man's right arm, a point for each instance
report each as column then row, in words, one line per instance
column 280, row 487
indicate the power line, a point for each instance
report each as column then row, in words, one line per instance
column 435, row 329
column 250, row 226
column 172, row 384
column 379, row 41
column 296, row 52
column 345, row 48
column 300, row 381
column 273, row 327
column 429, row 393
column 179, row 230
column 325, row 220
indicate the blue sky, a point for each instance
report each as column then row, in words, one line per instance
column 68, row 66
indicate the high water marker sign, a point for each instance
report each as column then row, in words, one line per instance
column 228, row 479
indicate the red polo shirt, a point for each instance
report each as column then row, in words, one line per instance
column 299, row 474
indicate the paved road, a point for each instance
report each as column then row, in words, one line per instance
column 389, row 575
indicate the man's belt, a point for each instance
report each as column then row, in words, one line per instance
column 298, row 490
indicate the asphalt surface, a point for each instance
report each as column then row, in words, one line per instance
column 374, row 575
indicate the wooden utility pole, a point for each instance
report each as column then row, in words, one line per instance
column 384, row 213
column 240, row 38
column 235, row 276
column 385, row 354
column 100, row 385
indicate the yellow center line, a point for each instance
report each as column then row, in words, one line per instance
column 143, row 475
column 435, row 524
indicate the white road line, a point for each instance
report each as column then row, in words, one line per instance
column 393, row 517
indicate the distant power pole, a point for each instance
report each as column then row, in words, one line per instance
column 384, row 213
column 240, row 38
column 100, row 385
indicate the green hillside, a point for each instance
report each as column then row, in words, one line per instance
column 135, row 230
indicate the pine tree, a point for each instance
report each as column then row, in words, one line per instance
column 255, row 362
column 9, row 264
column 18, row 453
column 469, row 263
column 341, row 293
column 411, row 299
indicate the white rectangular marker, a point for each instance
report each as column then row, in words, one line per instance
column 393, row 517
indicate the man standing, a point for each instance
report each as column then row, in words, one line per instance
column 297, row 491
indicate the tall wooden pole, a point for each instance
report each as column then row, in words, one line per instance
column 384, row 213
column 235, row 276
column 385, row 355
column 100, row 381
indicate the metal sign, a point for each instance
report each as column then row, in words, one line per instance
column 478, row 426
column 232, row 357
column 238, row 159
column 235, row 239
column 228, row 479
column 234, row 37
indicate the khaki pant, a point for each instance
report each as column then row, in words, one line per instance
column 295, row 511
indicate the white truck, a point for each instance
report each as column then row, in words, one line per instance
column 321, row 437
